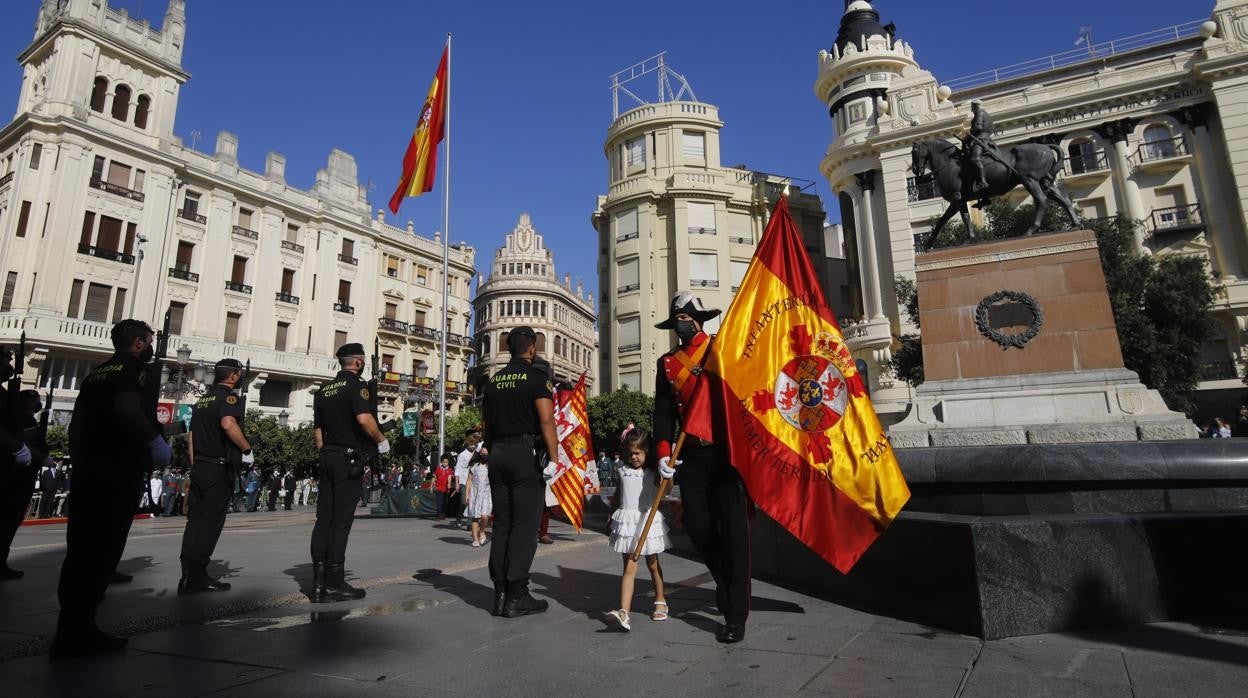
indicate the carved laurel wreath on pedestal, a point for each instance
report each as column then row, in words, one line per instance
column 1009, row 340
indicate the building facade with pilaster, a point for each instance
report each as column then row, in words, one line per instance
column 1152, row 127
column 106, row 214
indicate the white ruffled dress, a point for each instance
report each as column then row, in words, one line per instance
column 635, row 489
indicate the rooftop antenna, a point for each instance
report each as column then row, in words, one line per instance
column 654, row 64
column 195, row 136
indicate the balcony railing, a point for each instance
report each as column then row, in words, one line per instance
column 245, row 232
column 116, row 189
column 287, row 298
column 237, row 287
column 1151, row 151
column 1086, row 163
column 424, row 332
column 192, row 216
column 184, row 274
column 386, row 323
column 626, row 236
column 1175, row 217
column 701, row 231
column 106, row 254
column 704, row 283
column 6, row 179
column 1218, row 371
column 344, row 308
column 347, row 259
column 921, row 188
column 292, row 246
column 740, row 239
column 625, row 348
column 627, row 287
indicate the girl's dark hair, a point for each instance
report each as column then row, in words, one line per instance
column 638, row 437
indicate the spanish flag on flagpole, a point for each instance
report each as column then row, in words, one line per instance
column 781, row 392
column 420, row 162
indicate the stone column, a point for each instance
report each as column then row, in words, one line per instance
column 1128, row 191
column 1218, row 223
column 866, row 234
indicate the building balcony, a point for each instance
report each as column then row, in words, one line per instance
column 1162, row 155
column 345, row 259
column 627, row 348
column 626, row 288
column 344, row 307
column 740, row 240
column 1219, row 371
column 1086, row 168
column 458, row 340
column 423, row 332
column 106, row 254
column 184, row 274
column 1175, row 219
column 192, row 216
column 921, row 188
column 626, row 236
column 245, row 232
column 116, row 189
column 704, row 283
column 6, row 179
column 285, row 297
column 701, row 231
column 237, row 287
column 292, row 246
column 392, row 325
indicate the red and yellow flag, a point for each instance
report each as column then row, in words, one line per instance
column 420, row 162
column 576, row 451
column 781, row 391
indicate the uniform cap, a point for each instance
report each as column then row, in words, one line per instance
column 230, row 363
column 691, row 305
column 353, row 349
column 525, row 331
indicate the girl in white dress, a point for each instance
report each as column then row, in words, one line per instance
column 480, row 502
column 636, row 484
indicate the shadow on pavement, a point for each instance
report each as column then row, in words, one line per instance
column 302, row 575
column 471, row 593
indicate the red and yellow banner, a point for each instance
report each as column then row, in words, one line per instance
column 576, row 452
column 781, row 391
column 420, row 162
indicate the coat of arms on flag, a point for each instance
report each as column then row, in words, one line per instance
column 576, row 451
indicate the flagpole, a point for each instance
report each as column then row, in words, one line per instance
column 446, row 252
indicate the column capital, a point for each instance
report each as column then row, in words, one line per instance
column 1117, row 131
column 866, row 180
column 1194, row 116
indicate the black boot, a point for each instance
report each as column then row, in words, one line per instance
column 520, row 602
column 318, row 583
column 336, row 587
column 195, row 579
column 500, row 598
column 81, row 638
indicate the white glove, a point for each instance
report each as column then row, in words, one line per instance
column 22, row 455
column 384, row 447
column 161, row 451
column 665, row 469
column 550, row 471
column 248, row 457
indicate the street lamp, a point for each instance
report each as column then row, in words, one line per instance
column 419, row 394
column 283, row 418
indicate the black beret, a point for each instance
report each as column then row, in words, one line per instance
column 525, row 331
column 230, row 363
column 353, row 349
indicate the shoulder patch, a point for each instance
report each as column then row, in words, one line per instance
column 550, row 387
column 364, row 393
column 142, row 378
column 231, row 399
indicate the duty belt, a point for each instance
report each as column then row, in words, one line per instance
column 525, row 438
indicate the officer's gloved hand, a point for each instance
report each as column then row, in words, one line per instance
column 665, row 468
column 550, row 471
column 161, row 451
column 248, row 457
column 22, row 455
column 384, row 447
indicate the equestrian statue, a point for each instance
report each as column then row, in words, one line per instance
column 980, row 171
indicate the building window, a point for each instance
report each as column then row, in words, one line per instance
column 738, row 272
column 422, row 275
column 636, row 149
column 344, row 292
column 141, row 111
column 626, row 276
column 238, row 273
column 701, row 218
column 96, row 309
column 23, row 219
column 340, row 338
column 36, row 154
column 631, row 381
column 292, row 233
column 703, row 270
column 288, row 281
column 279, row 342
column 97, row 169
column 693, row 147
column 176, row 312
column 186, row 251
column 418, row 318
column 629, row 332
column 75, row 299
column 392, row 311
column 119, row 174
column 121, row 103
column 190, row 204
column 1082, row 157
column 231, row 327
column 1158, row 143
column 119, row 306
column 99, row 93
column 244, row 218
column 109, row 235
column 275, row 393
column 626, row 225
column 10, row 286
column 392, row 267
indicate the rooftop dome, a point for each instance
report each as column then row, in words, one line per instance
column 860, row 20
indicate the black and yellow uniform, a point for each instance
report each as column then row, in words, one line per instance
column 210, row 488
column 512, row 425
column 111, row 459
column 344, row 449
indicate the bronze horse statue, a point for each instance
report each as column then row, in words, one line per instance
column 1033, row 165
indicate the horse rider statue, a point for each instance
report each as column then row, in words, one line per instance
column 978, row 141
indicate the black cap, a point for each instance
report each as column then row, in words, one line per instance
column 525, row 331
column 353, row 349
column 234, row 364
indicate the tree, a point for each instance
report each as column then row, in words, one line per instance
column 907, row 361
column 611, row 413
column 467, row 420
column 58, row 440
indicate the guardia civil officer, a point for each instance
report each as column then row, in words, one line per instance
column 712, row 494
column 215, row 429
column 346, row 436
column 114, row 441
column 518, row 410
column 18, row 430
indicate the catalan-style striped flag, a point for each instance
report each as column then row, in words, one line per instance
column 576, row 451
column 781, row 392
column 420, row 162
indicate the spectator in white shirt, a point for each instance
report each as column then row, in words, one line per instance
column 472, row 443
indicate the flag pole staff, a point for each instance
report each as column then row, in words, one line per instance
column 446, row 251
column 658, row 499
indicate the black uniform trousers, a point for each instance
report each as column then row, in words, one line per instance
column 16, row 486
column 47, row 503
column 335, row 507
column 206, row 503
column 103, row 502
column 715, row 515
column 519, row 495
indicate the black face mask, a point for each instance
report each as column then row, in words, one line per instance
column 147, row 354
column 686, row 329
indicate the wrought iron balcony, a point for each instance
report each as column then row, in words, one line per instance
column 625, row 348
column 701, row 231
column 921, row 188
column 627, row 287
column 116, row 189
column 106, row 254
column 1218, row 371
column 626, row 236
column 237, row 287
column 704, row 283
column 343, row 307
column 184, row 274
column 6, row 179
column 1086, row 164
column 1175, row 218
column 345, row 259
column 740, row 239
column 245, row 232
column 192, row 216
column 287, row 298
column 292, row 246
column 424, row 332
column 1151, row 151
column 392, row 325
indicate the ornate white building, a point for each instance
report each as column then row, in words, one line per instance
column 104, row 214
column 522, row 289
column 1152, row 127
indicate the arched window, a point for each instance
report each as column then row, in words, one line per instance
column 485, row 345
column 1158, row 143
column 502, row 343
column 1082, row 157
column 98, row 94
column 541, row 341
column 121, row 103
column 140, row 111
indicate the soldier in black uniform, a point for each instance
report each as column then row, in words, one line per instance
column 518, row 410
column 114, row 442
column 216, row 428
column 347, row 437
column 19, row 431
column 712, row 494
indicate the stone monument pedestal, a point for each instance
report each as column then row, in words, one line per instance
column 1020, row 346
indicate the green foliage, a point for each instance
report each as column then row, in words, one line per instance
column 460, row 424
column 1002, row 220
column 907, row 298
column 278, row 446
column 611, row 413
column 907, row 362
column 58, row 440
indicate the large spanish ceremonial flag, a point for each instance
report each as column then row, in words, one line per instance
column 420, row 162
column 576, row 451
column 781, row 391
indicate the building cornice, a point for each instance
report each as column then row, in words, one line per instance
column 73, row 25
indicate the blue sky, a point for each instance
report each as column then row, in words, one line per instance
column 530, row 97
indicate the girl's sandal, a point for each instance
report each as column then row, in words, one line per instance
column 660, row 611
column 621, row 617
